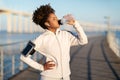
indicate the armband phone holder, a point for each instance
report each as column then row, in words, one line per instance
column 29, row 49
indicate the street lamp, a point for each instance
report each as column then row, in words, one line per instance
column 108, row 22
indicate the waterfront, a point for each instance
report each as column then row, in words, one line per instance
column 7, row 38
column 118, row 37
column 10, row 43
column 94, row 61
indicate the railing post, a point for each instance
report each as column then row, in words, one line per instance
column 35, row 56
column 2, row 64
column 21, row 63
column 13, row 64
column 119, row 52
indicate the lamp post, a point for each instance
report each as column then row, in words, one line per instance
column 108, row 22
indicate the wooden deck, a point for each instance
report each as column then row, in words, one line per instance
column 94, row 61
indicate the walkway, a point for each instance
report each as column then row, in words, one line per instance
column 94, row 61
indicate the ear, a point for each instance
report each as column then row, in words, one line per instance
column 47, row 24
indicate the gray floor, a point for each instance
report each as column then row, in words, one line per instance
column 94, row 61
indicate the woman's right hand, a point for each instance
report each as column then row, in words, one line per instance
column 49, row 65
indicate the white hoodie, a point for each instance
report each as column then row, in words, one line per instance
column 56, row 47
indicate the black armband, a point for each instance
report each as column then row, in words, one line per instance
column 29, row 49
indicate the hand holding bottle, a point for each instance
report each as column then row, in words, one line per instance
column 68, row 19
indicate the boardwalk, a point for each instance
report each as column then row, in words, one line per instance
column 94, row 61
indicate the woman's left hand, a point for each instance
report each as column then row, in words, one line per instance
column 70, row 19
column 71, row 22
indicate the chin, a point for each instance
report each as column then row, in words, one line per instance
column 58, row 27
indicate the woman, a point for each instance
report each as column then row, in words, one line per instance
column 54, row 44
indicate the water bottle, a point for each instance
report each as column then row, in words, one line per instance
column 65, row 19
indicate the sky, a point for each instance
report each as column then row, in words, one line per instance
column 83, row 10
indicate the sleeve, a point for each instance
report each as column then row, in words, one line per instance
column 32, row 63
column 81, row 39
column 28, row 60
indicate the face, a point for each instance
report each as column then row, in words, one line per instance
column 52, row 21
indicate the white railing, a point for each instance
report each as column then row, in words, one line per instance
column 10, row 63
column 111, row 38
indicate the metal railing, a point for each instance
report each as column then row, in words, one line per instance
column 10, row 63
column 112, row 41
column 111, row 37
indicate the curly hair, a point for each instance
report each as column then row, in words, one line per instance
column 41, row 14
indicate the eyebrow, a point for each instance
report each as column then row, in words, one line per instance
column 52, row 17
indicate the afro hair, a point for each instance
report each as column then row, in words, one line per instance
column 41, row 14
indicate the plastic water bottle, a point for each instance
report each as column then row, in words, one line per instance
column 65, row 19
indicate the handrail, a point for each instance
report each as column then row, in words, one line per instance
column 113, row 43
column 12, row 65
column 13, row 43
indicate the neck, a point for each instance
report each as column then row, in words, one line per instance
column 52, row 29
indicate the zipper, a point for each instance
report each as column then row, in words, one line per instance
column 60, row 55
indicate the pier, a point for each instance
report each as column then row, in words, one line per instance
column 94, row 61
column 98, row 60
